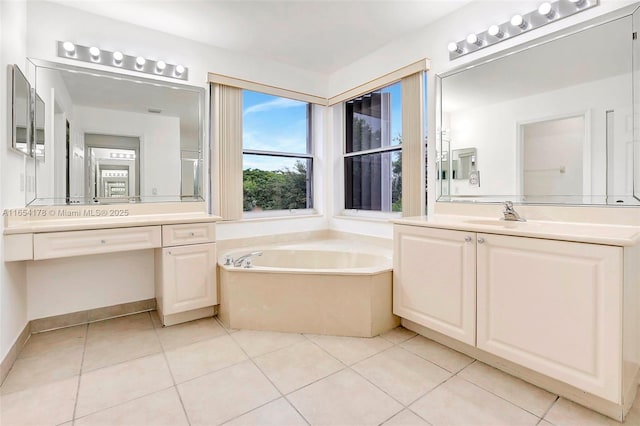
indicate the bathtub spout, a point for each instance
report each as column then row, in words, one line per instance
column 238, row 262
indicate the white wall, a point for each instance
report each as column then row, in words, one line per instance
column 13, row 286
column 60, row 286
column 159, row 143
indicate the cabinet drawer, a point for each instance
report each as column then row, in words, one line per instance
column 188, row 233
column 78, row 243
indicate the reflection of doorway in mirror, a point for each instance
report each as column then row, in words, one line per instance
column 553, row 160
column 113, row 166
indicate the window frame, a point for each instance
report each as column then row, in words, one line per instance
column 309, row 156
column 372, row 214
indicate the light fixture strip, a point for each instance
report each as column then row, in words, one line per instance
column 128, row 62
column 532, row 20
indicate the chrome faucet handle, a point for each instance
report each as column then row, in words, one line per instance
column 228, row 260
column 508, row 206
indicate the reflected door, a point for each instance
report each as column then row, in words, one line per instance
column 553, row 159
column 636, row 105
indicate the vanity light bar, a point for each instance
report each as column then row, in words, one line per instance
column 546, row 13
column 94, row 55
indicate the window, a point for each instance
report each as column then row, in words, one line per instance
column 373, row 151
column 277, row 160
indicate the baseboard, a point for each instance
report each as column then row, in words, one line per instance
column 83, row 317
column 12, row 355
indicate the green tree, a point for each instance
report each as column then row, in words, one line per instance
column 275, row 190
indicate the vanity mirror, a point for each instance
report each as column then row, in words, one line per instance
column 20, row 111
column 115, row 138
column 553, row 121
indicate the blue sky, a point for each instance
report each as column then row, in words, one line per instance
column 272, row 123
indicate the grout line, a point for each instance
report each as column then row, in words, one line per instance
column 249, row 358
column 173, row 379
column 555, row 401
column 84, row 351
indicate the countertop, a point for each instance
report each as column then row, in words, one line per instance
column 77, row 223
column 615, row 235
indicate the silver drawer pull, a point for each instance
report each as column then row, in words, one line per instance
column 467, row 239
column 103, row 241
column 480, row 240
column 193, row 234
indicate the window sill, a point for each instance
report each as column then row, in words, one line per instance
column 368, row 216
column 276, row 215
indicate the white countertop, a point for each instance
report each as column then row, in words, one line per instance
column 59, row 224
column 616, row 235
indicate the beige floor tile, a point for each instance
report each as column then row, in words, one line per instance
column 197, row 359
column 446, row 358
column 217, row 397
column 402, row 374
column 567, row 413
column 458, row 402
column 298, row 365
column 406, row 418
column 276, row 413
column 158, row 409
column 228, row 330
column 189, row 332
column 545, row 423
column 398, row 335
column 115, row 348
column 521, row 393
column 50, row 404
column 46, row 368
column 344, row 398
column 633, row 416
column 351, row 349
column 110, row 386
column 257, row 343
column 100, row 329
column 42, row 343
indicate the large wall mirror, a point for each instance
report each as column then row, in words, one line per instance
column 114, row 138
column 552, row 122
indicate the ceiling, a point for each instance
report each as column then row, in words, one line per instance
column 317, row 35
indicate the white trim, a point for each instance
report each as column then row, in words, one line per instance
column 225, row 80
column 279, row 214
column 368, row 215
column 385, row 80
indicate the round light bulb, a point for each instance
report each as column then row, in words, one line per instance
column 472, row 38
column 94, row 52
column 118, row 56
column 546, row 10
column 518, row 21
column 494, row 31
column 453, row 47
column 140, row 61
column 179, row 69
column 161, row 65
column 69, row 47
column 578, row 2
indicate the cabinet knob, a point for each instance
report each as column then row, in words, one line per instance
column 480, row 240
column 103, row 241
column 192, row 234
column 467, row 239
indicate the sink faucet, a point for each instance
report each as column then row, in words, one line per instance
column 238, row 262
column 510, row 213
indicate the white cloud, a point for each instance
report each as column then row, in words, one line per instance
column 279, row 103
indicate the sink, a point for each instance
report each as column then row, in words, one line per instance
column 499, row 222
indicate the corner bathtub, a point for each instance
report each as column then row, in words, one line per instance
column 306, row 290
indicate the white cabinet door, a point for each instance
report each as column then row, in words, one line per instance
column 189, row 278
column 554, row 307
column 434, row 281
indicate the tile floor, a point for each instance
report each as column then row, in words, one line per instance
column 131, row 371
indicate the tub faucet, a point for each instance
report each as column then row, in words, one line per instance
column 238, row 262
column 510, row 213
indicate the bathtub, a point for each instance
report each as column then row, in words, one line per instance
column 306, row 289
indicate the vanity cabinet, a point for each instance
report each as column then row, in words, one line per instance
column 185, row 277
column 564, row 309
column 435, row 280
column 554, row 307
